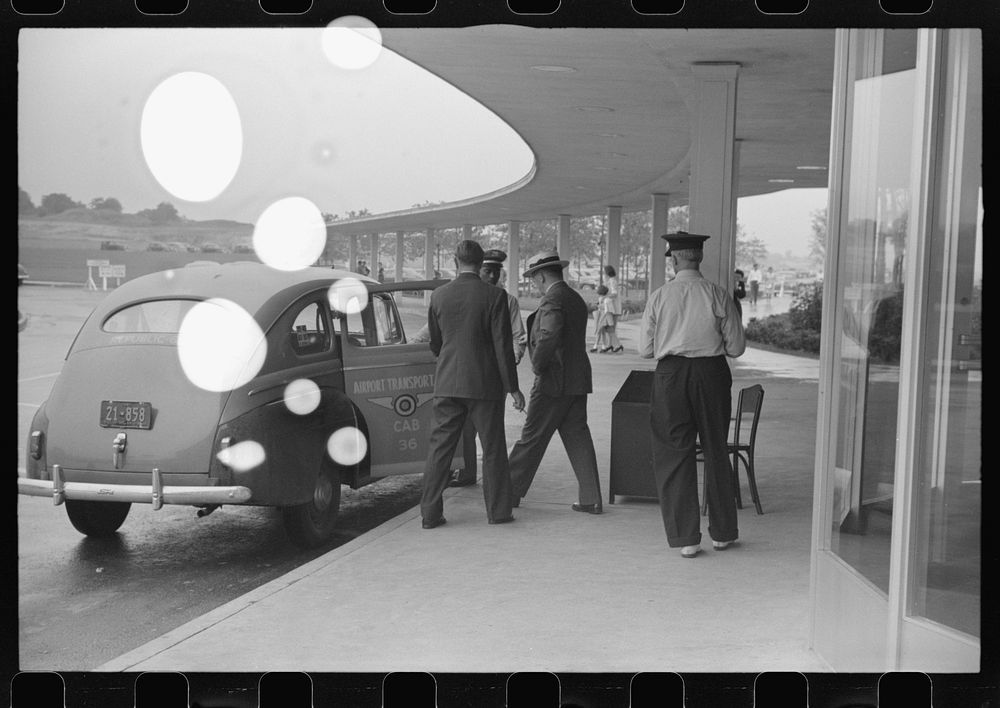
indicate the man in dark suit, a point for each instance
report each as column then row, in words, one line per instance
column 557, row 333
column 469, row 325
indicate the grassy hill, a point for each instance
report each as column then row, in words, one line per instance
column 56, row 247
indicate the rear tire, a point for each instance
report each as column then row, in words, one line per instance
column 312, row 524
column 93, row 518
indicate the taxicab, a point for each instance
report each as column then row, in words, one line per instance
column 236, row 383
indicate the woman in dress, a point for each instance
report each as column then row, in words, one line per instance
column 614, row 308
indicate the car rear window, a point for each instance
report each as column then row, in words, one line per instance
column 152, row 316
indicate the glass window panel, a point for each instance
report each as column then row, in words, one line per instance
column 874, row 237
column 948, row 485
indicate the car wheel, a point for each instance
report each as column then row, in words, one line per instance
column 93, row 518
column 311, row 524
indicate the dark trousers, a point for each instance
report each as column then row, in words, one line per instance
column 691, row 401
column 469, row 471
column 450, row 415
column 546, row 415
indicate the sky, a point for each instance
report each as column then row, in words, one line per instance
column 386, row 136
column 346, row 132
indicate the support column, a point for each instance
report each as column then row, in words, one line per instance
column 657, row 246
column 711, row 203
column 514, row 258
column 428, row 261
column 613, row 255
column 466, row 232
column 373, row 264
column 429, row 253
column 562, row 240
column 731, row 252
column 352, row 252
column 400, row 257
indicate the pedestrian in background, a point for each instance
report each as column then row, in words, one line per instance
column 614, row 308
column 469, row 325
column 557, row 345
column 690, row 325
column 602, row 321
column 756, row 278
column 490, row 273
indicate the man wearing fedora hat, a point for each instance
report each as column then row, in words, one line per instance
column 557, row 333
column 489, row 272
column 690, row 325
column 469, row 329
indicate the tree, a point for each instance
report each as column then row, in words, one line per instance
column 56, row 203
column 106, row 203
column 748, row 250
column 817, row 239
column 24, row 203
column 164, row 213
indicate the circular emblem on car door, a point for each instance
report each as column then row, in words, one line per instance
column 404, row 404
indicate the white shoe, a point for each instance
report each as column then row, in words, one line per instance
column 690, row 551
column 721, row 545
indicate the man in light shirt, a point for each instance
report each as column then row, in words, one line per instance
column 690, row 325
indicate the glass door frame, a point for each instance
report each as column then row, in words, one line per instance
column 854, row 625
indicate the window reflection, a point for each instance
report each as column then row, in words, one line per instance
column 875, row 235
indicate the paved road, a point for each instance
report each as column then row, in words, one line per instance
column 84, row 601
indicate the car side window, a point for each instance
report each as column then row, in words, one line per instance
column 376, row 325
column 310, row 330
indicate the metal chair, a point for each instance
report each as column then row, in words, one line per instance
column 748, row 405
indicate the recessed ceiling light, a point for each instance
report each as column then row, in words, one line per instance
column 618, row 154
column 811, row 167
column 609, row 135
column 580, row 186
column 554, row 68
column 783, row 181
column 596, row 109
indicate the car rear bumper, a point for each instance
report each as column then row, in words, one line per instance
column 156, row 494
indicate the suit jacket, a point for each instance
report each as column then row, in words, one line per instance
column 469, row 324
column 557, row 342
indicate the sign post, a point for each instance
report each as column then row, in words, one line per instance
column 110, row 271
column 94, row 263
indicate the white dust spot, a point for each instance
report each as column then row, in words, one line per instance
column 242, row 456
column 290, row 234
column 347, row 446
column 220, row 345
column 348, row 295
column 351, row 42
column 191, row 136
column 302, row 396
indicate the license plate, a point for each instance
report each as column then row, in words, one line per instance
column 126, row 414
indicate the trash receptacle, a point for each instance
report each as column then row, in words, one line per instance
column 631, row 454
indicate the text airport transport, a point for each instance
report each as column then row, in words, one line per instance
column 329, row 391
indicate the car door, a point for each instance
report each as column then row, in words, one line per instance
column 389, row 374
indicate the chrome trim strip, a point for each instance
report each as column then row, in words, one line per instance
column 135, row 493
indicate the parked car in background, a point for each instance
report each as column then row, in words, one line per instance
column 242, row 248
column 22, row 274
column 112, row 246
column 209, row 247
column 156, row 404
column 156, row 246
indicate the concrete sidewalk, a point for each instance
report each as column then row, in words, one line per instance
column 555, row 590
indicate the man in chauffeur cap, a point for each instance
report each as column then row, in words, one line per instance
column 690, row 325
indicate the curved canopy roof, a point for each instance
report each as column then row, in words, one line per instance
column 616, row 127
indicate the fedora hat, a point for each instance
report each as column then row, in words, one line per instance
column 545, row 259
column 682, row 240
